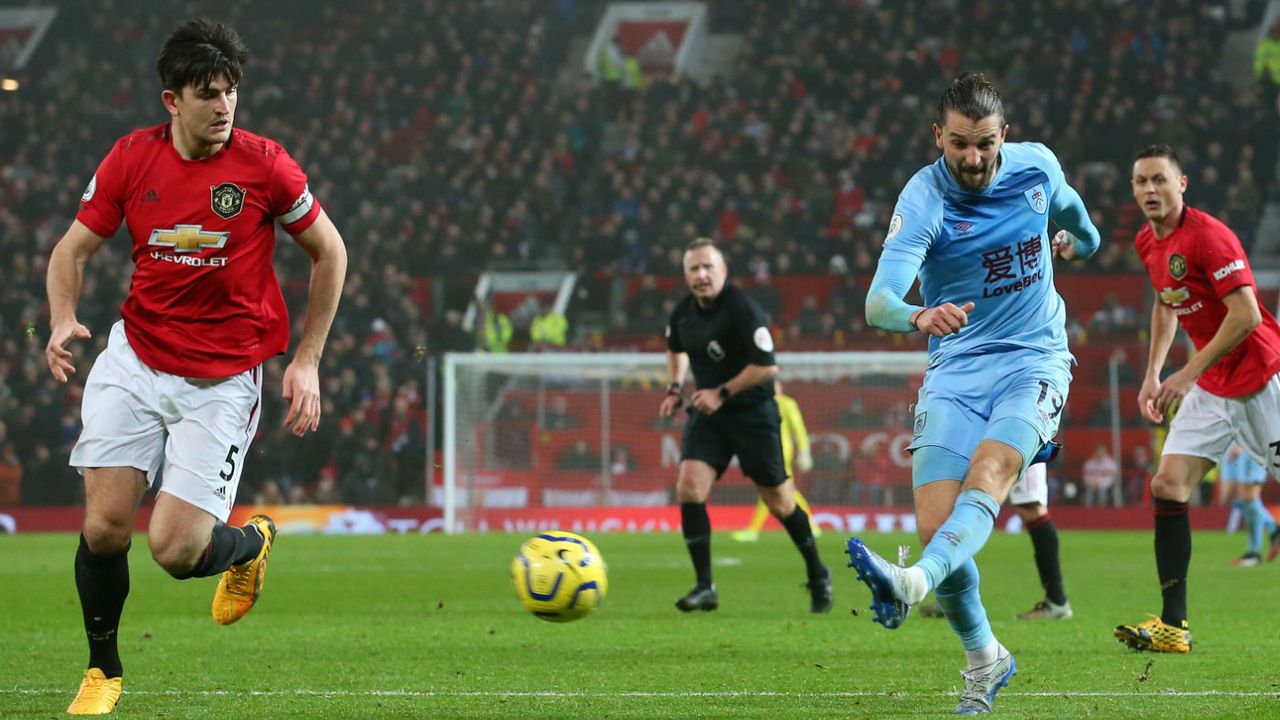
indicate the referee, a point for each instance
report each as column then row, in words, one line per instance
column 723, row 334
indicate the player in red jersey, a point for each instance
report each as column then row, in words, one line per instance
column 177, row 390
column 1228, row 391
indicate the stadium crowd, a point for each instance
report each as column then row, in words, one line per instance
column 444, row 138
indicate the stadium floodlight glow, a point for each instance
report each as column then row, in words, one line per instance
column 9, row 84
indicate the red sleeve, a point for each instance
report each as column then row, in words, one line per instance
column 291, row 198
column 102, row 204
column 1223, row 260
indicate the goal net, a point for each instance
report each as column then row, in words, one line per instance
column 581, row 430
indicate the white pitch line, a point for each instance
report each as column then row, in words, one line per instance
column 655, row 695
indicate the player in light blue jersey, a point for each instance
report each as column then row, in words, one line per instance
column 974, row 226
column 1243, row 477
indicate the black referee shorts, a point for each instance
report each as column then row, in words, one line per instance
column 753, row 434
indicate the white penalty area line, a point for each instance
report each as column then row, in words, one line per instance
column 726, row 694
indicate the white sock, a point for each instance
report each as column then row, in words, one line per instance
column 1233, row 520
column 985, row 656
column 916, row 583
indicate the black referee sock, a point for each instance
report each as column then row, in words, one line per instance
column 696, row 525
column 1173, row 556
column 1044, row 538
column 228, row 546
column 797, row 525
column 103, row 583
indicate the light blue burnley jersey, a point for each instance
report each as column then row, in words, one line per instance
column 991, row 247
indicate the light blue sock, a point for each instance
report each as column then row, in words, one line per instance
column 960, row 537
column 1260, row 523
column 1268, row 520
column 1237, row 514
column 958, row 595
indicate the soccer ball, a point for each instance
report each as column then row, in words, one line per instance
column 559, row 576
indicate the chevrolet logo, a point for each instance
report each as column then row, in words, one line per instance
column 188, row 238
column 1169, row 296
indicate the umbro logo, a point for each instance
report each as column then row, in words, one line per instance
column 963, row 228
column 151, row 196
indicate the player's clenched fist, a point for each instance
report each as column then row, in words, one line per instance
column 945, row 319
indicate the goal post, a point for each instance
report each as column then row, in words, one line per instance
column 581, row 430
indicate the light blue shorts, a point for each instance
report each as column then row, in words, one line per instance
column 1015, row 397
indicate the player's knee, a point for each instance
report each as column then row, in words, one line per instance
column 1168, row 486
column 993, row 474
column 107, row 535
column 177, row 555
column 781, row 503
column 1030, row 511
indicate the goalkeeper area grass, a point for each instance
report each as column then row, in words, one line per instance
column 427, row 626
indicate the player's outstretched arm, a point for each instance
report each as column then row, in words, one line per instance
column 1242, row 317
column 328, row 271
column 1164, row 324
column 63, row 282
column 1082, row 239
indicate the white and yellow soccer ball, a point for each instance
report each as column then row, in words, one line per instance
column 559, row 576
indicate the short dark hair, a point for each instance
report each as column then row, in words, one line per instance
column 200, row 51
column 1160, row 151
column 971, row 96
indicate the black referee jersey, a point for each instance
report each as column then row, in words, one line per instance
column 722, row 340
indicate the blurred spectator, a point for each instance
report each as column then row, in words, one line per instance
column 549, row 329
column 621, row 462
column 767, row 294
column 644, row 311
column 1137, row 475
column 857, row 416
column 556, row 416
column 874, row 470
column 450, row 336
column 808, row 321
column 10, row 476
column 495, row 329
column 1266, row 64
column 327, row 490
column 1113, row 316
column 268, row 494
column 579, row 457
column 1100, row 473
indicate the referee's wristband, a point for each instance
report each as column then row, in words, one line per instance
column 724, row 392
column 673, row 388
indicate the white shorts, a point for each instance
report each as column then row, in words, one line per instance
column 1031, row 487
column 1206, row 424
column 195, row 433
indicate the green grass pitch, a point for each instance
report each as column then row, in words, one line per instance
column 414, row 626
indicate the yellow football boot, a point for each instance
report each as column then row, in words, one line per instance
column 98, row 694
column 1156, row 636
column 240, row 584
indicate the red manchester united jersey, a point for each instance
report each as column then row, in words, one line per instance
column 204, row 300
column 1192, row 269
